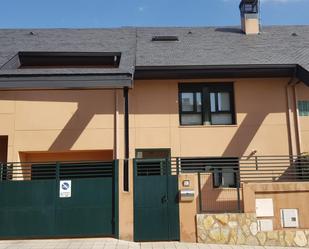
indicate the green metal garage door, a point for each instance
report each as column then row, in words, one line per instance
column 59, row 199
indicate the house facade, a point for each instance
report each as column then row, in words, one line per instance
column 156, row 133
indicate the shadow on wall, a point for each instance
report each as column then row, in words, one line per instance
column 89, row 104
column 217, row 200
column 245, row 134
column 255, row 100
column 150, row 99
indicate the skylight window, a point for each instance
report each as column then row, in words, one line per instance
column 165, row 38
column 24, row 60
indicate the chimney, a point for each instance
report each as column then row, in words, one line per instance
column 249, row 12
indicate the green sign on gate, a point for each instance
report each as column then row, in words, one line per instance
column 156, row 208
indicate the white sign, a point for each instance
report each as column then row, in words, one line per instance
column 65, row 189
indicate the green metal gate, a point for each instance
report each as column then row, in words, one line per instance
column 156, row 208
column 31, row 206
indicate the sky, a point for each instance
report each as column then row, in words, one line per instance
column 123, row 13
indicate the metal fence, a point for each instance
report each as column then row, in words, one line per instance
column 29, row 171
column 250, row 169
column 220, row 178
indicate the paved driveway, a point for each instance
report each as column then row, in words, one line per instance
column 107, row 243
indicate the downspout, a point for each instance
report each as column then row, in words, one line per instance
column 126, row 140
column 116, row 126
column 126, row 178
column 296, row 118
column 293, row 124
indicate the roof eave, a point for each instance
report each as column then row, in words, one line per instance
column 302, row 74
column 77, row 81
column 220, row 71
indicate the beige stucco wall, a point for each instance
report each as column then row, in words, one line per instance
column 188, row 209
column 218, row 199
column 57, row 120
column 284, row 195
column 85, row 120
column 126, row 211
column 261, row 107
column 250, row 26
column 302, row 93
column 73, row 120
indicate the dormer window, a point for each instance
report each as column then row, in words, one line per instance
column 56, row 60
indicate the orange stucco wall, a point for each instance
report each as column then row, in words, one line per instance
column 60, row 121
column 261, row 107
column 86, row 155
column 216, row 200
column 126, row 211
column 302, row 93
column 57, row 121
column 188, row 209
column 284, row 195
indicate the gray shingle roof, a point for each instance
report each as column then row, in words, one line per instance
column 69, row 40
column 224, row 46
column 196, row 46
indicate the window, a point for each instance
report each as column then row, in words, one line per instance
column 24, row 60
column 206, row 104
column 191, row 108
column 224, row 169
column 224, row 177
column 303, row 108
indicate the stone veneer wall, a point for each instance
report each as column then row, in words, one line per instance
column 241, row 229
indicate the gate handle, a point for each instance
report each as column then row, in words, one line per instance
column 164, row 199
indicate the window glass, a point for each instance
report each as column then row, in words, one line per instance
column 223, row 101
column 303, row 108
column 198, row 102
column 191, row 119
column 209, row 104
column 217, row 178
column 212, row 102
column 221, row 118
column 187, row 102
column 228, row 178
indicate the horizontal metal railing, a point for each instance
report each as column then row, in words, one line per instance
column 220, row 178
column 250, row 169
column 55, row 170
column 151, row 167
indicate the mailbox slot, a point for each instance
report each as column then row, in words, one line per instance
column 186, row 195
